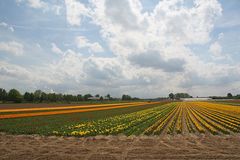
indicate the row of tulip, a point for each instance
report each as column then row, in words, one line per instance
column 221, row 120
column 169, row 118
column 133, row 123
column 158, row 127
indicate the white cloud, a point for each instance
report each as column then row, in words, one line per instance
column 75, row 11
column 37, row 4
column 148, row 48
column 220, row 36
column 216, row 49
column 56, row 50
column 57, row 9
column 16, row 76
column 5, row 25
column 132, row 35
column 12, row 47
column 40, row 4
column 167, row 29
column 83, row 42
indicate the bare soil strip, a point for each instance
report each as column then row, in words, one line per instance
column 34, row 147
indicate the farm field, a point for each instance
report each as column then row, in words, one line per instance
column 166, row 130
column 138, row 118
column 45, row 125
column 229, row 102
column 50, row 105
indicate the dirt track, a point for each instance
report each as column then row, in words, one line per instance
column 33, row 147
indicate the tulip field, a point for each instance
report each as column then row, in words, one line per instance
column 154, row 118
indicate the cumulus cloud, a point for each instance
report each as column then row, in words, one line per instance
column 151, row 49
column 37, row 4
column 83, row 42
column 12, row 47
column 154, row 60
column 57, row 9
column 25, row 78
column 121, row 13
column 75, row 11
column 221, row 75
column 40, row 4
column 5, row 25
column 216, row 49
column 56, row 50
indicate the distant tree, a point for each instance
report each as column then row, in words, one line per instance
column 101, row 98
column 229, row 95
column 237, row 96
column 79, row 97
column 97, row 95
column 52, row 97
column 171, row 96
column 15, row 96
column 182, row 95
column 135, row 98
column 123, row 97
column 59, row 97
column 37, row 95
column 126, row 97
column 3, row 94
column 108, row 96
column 43, row 97
column 86, row 96
column 29, row 97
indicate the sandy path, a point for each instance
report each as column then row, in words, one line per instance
column 33, row 147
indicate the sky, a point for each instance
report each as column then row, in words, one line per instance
column 144, row 48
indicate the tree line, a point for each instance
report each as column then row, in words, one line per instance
column 229, row 96
column 13, row 95
column 179, row 95
column 186, row 95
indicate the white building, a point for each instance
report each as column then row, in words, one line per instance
column 196, row 99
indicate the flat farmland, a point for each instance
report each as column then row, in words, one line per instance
column 44, row 120
column 135, row 118
column 139, row 130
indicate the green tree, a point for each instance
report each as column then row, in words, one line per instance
column 37, row 95
column 229, row 95
column 181, row 95
column 171, row 96
column 108, row 96
column 86, row 96
column 126, row 97
column 3, row 94
column 29, row 97
column 15, row 96
column 79, row 97
column 43, row 97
